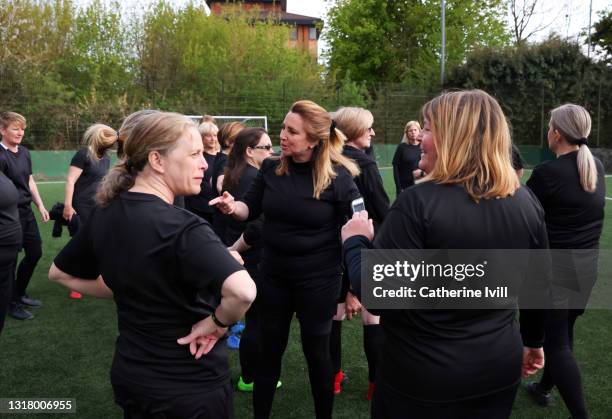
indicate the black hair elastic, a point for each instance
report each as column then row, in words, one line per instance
column 582, row 141
column 129, row 165
column 332, row 127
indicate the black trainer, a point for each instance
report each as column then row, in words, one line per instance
column 32, row 302
column 538, row 395
column 18, row 312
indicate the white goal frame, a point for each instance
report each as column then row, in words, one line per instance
column 240, row 118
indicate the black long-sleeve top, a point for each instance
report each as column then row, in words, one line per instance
column 574, row 218
column 405, row 160
column 448, row 355
column 370, row 184
column 301, row 234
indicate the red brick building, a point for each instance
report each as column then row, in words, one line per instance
column 305, row 30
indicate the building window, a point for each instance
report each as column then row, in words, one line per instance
column 293, row 33
column 312, row 34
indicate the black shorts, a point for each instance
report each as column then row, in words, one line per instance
column 214, row 404
column 313, row 300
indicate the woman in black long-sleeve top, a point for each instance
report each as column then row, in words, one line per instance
column 572, row 192
column 304, row 197
column 356, row 124
column 444, row 363
column 406, row 158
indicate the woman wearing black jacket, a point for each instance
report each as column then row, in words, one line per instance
column 572, row 191
column 304, row 196
column 445, row 363
column 165, row 270
column 356, row 124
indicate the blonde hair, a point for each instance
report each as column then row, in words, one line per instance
column 328, row 151
column 407, row 127
column 99, row 138
column 353, row 121
column 157, row 131
column 8, row 118
column 128, row 125
column 574, row 124
column 228, row 132
column 473, row 144
column 209, row 128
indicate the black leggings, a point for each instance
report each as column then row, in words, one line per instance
column 315, row 309
column 250, row 342
column 32, row 246
column 561, row 369
column 8, row 254
column 388, row 404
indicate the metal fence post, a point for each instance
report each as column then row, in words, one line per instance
column 599, row 112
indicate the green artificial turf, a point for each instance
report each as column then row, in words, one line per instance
column 66, row 352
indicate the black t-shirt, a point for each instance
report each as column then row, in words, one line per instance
column 447, row 355
column 10, row 227
column 370, row 184
column 574, row 218
column 405, row 160
column 87, row 183
column 301, row 234
column 18, row 168
column 166, row 269
column 198, row 204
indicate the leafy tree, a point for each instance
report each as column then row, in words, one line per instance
column 602, row 37
column 399, row 41
column 530, row 80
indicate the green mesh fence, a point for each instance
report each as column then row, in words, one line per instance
column 532, row 155
column 53, row 165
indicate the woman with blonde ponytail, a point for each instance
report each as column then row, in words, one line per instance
column 571, row 189
column 165, row 270
column 304, row 196
column 87, row 168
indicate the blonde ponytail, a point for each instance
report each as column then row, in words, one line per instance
column 574, row 124
column 118, row 180
column 586, row 169
column 99, row 138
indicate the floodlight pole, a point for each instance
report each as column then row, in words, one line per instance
column 442, row 52
column 589, row 39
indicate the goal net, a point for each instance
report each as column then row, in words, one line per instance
column 249, row 121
